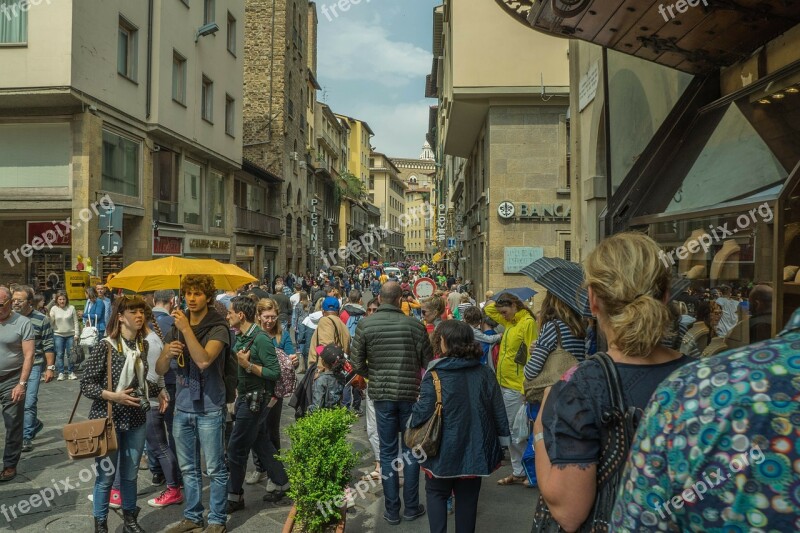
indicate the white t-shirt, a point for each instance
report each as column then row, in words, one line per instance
column 294, row 299
column 729, row 318
column 155, row 346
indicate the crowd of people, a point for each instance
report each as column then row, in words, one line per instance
column 624, row 439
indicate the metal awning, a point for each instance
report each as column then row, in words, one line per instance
column 696, row 39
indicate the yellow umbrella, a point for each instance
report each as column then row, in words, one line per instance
column 167, row 273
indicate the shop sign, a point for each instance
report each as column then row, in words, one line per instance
column 314, row 223
column 245, row 251
column 515, row 258
column 48, row 234
column 210, row 244
column 167, row 246
column 75, row 283
column 555, row 212
column 441, row 223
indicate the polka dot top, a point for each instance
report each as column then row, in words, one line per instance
column 95, row 381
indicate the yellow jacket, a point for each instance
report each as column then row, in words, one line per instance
column 521, row 329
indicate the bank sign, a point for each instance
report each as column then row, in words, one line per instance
column 555, row 212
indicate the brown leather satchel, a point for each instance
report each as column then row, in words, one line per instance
column 428, row 436
column 91, row 438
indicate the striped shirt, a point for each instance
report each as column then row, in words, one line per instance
column 463, row 307
column 43, row 335
column 547, row 342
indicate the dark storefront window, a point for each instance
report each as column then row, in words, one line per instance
column 165, row 176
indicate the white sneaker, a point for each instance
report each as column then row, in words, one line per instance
column 255, row 477
column 72, row 375
column 60, row 377
column 271, row 487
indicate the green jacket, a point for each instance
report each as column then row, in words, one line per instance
column 262, row 352
column 391, row 350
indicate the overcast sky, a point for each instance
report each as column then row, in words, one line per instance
column 372, row 62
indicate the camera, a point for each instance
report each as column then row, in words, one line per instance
column 144, row 403
column 254, row 401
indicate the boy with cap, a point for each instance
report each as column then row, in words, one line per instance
column 330, row 330
column 328, row 386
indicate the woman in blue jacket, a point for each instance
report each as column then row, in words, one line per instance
column 94, row 312
column 474, row 427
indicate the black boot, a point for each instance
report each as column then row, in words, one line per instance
column 129, row 519
column 100, row 526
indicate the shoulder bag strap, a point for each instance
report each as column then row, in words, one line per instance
column 78, row 399
column 438, row 386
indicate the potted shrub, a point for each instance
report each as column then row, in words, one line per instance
column 318, row 464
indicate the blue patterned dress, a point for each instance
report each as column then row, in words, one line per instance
column 719, row 447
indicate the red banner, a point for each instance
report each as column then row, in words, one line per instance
column 167, row 246
column 48, row 232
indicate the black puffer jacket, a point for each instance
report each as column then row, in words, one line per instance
column 390, row 350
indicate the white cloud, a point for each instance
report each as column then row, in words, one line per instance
column 399, row 129
column 353, row 51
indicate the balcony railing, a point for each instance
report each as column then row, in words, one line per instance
column 257, row 222
column 327, row 139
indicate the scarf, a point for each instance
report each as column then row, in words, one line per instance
column 133, row 367
column 195, row 375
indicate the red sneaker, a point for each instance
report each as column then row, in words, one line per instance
column 115, row 499
column 169, row 496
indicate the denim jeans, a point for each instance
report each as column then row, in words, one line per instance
column 158, row 449
column 195, row 432
column 392, row 418
column 351, row 398
column 166, row 418
column 129, row 451
column 249, row 432
column 63, row 353
column 13, row 419
column 31, row 398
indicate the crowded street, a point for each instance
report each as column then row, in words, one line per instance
column 400, row 265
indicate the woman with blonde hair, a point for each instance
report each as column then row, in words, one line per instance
column 518, row 337
column 267, row 311
column 578, row 447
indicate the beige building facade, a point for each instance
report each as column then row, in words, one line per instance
column 501, row 140
column 387, row 192
column 418, row 175
column 88, row 111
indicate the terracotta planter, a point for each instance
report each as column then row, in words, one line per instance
column 289, row 525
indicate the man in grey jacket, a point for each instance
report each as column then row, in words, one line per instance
column 390, row 350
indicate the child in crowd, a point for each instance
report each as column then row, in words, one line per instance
column 328, row 386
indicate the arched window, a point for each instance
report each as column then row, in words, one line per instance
column 412, row 179
column 288, row 193
column 299, row 228
column 289, row 226
column 299, row 197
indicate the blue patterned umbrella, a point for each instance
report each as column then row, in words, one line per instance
column 563, row 279
column 523, row 293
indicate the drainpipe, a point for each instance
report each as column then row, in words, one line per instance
column 149, row 57
column 609, row 222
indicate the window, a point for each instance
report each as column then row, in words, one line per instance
column 231, row 34
column 299, row 228
column 127, row 49
column 208, row 11
column 178, row 78
column 165, row 183
column 568, row 250
column 289, row 226
column 291, row 110
column 13, row 22
column 120, row 165
column 371, row 182
column 207, row 99
column 230, row 114
column 192, row 181
column 216, row 200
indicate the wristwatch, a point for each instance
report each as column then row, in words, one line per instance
column 249, row 368
column 24, row 384
column 51, row 367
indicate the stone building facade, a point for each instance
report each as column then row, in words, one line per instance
column 277, row 59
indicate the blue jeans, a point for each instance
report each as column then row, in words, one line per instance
column 391, row 419
column 31, row 397
column 129, row 451
column 63, row 353
column 195, row 432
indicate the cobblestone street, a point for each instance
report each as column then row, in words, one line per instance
column 507, row 509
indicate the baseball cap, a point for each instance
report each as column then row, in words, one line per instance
column 331, row 354
column 330, row 303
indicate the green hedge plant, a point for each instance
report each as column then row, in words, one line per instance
column 318, row 465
